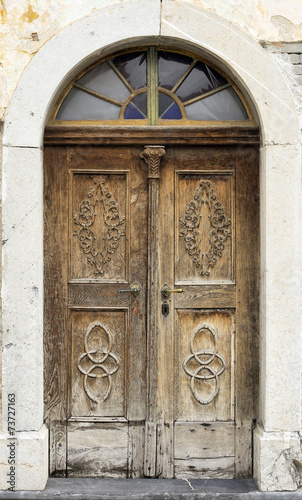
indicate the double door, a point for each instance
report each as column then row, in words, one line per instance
column 151, row 304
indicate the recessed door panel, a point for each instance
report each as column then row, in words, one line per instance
column 98, row 356
column 98, row 228
column 97, row 450
column 204, row 366
column 204, row 450
column 205, row 227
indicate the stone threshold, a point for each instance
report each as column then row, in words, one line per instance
column 151, row 489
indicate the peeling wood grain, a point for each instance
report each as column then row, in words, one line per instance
column 218, row 468
column 204, row 440
column 97, row 450
column 212, row 134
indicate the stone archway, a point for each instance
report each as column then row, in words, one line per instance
column 276, row 437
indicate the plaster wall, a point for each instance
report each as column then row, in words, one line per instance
column 266, row 75
column 26, row 26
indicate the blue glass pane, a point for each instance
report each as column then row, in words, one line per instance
column 164, row 102
column 140, row 102
column 132, row 113
column 172, row 113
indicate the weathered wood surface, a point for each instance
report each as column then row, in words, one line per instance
column 217, row 468
column 88, row 395
column 204, row 440
column 150, row 448
column 166, row 373
column 55, row 296
column 154, row 387
column 204, row 212
column 99, row 213
column 97, row 450
column 207, row 296
column 153, row 160
column 194, row 336
column 247, row 316
column 106, row 335
column 136, row 449
column 98, row 295
column 92, row 418
column 212, row 134
column 137, row 358
column 244, row 449
column 233, row 172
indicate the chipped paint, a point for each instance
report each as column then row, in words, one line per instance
column 256, row 15
column 287, row 28
column 260, row 8
column 2, row 12
column 269, row 20
column 29, row 15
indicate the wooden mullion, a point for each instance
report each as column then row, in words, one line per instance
column 121, row 77
column 152, row 155
column 184, row 76
column 99, row 96
column 152, row 82
column 207, row 94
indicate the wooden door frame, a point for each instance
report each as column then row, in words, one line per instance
column 86, row 136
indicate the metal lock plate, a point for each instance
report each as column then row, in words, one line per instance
column 165, row 309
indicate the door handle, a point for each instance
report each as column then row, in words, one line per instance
column 166, row 291
column 135, row 289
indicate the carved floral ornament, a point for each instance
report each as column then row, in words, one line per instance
column 152, row 156
column 114, row 225
column 205, row 249
column 204, row 366
column 93, row 363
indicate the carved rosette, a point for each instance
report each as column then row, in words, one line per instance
column 205, row 249
column 114, row 226
column 204, row 365
column 94, row 362
column 152, row 156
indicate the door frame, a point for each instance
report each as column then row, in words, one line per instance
column 280, row 318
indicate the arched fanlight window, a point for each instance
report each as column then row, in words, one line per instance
column 150, row 87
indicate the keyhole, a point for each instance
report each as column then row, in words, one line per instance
column 165, row 309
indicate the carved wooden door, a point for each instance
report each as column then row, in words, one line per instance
column 95, row 245
column 158, row 381
column 208, row 330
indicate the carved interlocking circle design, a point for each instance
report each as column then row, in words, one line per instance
column 204, row 358
column 98, row 357
column 113, row 222
column 205, row 249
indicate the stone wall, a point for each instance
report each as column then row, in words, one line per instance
column 289, row 57
column 1, row 135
